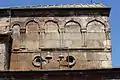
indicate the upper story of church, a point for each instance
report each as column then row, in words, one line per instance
column 74, row 36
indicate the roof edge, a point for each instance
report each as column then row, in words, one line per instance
column 94, row 5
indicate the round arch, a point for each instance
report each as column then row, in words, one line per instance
column 16, row 23
column 72, row 36
column 16, row 35
column 53, row 22
column 93, row 31
column 74, row 22
column 32, row 33
column 96, row 21
column 51, row 34
column 31, row 20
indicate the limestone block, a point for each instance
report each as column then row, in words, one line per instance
column 92, row 56
column 2, row 56
column 98, row 56
column 52, row 35
column 93, row 64
column 106, row 64
column 67, row 43
column 2, row 61
column 105, row 18
column 55, row 35
column 4, row 21
column 109, row 56
column 14, row 57
column 52, row 65
column 90, row 64
column 104, row 55
column 78, row 55
column 96, row 35
column 107, row 43
column 24, row 57
column 72, row 36
column 76, row 44
column 2, row 48
column 32, row 45
column 94, row 44
column 52, row 43
column 21, row 19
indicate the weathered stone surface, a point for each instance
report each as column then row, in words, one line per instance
column 2, row 61
column 98, row 56
column 54, row 36
column 106, row 64
column 3, row 55
column 84, row 60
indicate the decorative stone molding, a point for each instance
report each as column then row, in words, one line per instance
column 100, row 21
column 61, row 30
column 83, row 30
column 22, row 30
column 72, row 21
column 31, row 19
column 16, row 23
column 51, row 20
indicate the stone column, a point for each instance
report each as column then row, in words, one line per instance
column 108, row 40
column 22, row 38
column 62, row 38
column 41, row 38
column 83, row 31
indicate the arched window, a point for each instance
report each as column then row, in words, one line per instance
column 16, row 36
column 51, row 36
column 95, row 34
column 72, row 35
column 32, row 36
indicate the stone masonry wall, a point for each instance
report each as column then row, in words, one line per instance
column 85, row 38
column 84, row 60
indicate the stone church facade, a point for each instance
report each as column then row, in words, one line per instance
column 55, row 37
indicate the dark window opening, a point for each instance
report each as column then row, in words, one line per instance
column 70, row 59
column 37, row 61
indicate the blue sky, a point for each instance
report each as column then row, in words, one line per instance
column 114, row 18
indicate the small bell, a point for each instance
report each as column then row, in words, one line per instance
column 48, row 57
column 61, row 57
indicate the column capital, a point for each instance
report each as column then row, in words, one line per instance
column 83, row 30
column 61, row 29
column 22, row 30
